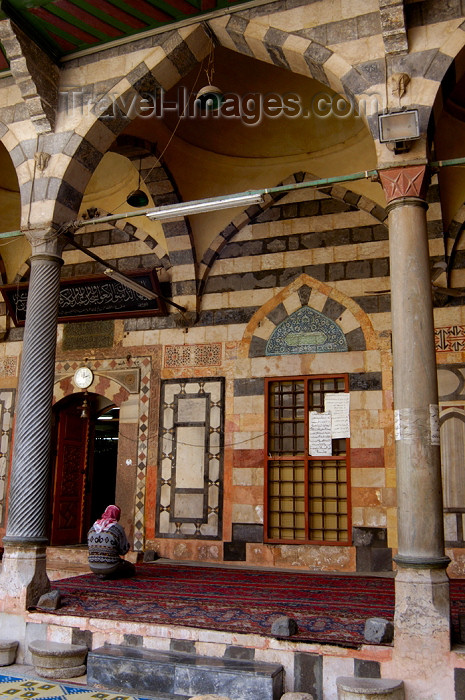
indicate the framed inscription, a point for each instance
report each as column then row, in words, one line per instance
column 91, row 298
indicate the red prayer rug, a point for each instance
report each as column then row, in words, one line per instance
column 329, row 609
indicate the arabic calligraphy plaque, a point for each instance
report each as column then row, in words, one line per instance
column 92, row 298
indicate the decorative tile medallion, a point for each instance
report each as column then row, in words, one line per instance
column 190, row 481
column 8, row 366
column 201, row 355
column 450, row 338
column 306, row 330
column 7, row 406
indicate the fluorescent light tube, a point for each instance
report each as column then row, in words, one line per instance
column 204, row 205
column 132, row 284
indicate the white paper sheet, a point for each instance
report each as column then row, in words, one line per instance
column 320, row 444
column 338, row 406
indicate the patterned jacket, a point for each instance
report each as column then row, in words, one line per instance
column 105, row 547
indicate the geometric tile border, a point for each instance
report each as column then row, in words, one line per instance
column 200, row 355
column 450, row 338
column 7, row 407
column 191, row 450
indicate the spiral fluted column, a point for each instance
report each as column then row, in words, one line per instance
column 27, row 514
column 24, row 577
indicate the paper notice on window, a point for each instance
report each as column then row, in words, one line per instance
column 338, row 406
column 320, row 444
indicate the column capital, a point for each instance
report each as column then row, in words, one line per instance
column 408, row 181
column 45, row 241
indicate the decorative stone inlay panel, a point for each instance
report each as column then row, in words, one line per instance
column 306, row 330
column 8, row 366
column 200, row 355
column 450, row 338
column 190, row 480
column 7, row 404
column 116, row 380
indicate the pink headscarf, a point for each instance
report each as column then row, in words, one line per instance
column 109, row 517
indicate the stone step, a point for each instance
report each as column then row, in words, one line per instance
column 63, row 562
column 134, row 670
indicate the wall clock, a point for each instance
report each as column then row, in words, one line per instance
column 83, row 377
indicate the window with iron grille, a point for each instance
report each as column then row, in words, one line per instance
column 307, row 498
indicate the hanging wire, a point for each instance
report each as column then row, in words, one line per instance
column 189, row 444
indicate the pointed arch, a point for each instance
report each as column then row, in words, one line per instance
column 309, row 292
column 290, row 51
column 250, row 215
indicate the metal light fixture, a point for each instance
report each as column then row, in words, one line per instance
column 137, row 198
column 132, row 284
column 84, row 408
column 198, row 206
column 398, row 129
column 209, row 98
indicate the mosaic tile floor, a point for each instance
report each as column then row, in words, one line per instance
column 15, row 686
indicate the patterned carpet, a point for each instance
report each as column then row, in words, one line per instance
column 20, row 687
column 328, row 609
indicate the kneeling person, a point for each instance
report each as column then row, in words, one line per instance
column 106, row 540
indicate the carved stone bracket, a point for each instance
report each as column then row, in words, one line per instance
column 410, row 181
column 393, row 26
column 36, row 76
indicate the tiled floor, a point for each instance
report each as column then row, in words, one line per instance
column 25, row 685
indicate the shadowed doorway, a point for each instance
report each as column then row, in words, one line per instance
column 84, row 459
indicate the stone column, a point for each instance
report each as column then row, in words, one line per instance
column 24, row 577
column 422, row 588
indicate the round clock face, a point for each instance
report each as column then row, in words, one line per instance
column 83, row 377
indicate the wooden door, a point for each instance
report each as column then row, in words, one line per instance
column 69, row 482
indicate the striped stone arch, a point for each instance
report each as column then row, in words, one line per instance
column 180, row 248
column 447, row 68
column 129, row 229
column 84, row 147
column 453, row 237
column 309, row 292
column 110, row 388
column 248, row 216
column 239, row 32
column 295, row 52
column 24, row 165
column 179, row 242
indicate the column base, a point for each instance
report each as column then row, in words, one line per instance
column 422, row 608
column 421, row 654
column 24, row 576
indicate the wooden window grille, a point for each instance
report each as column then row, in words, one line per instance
column 307, row 498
